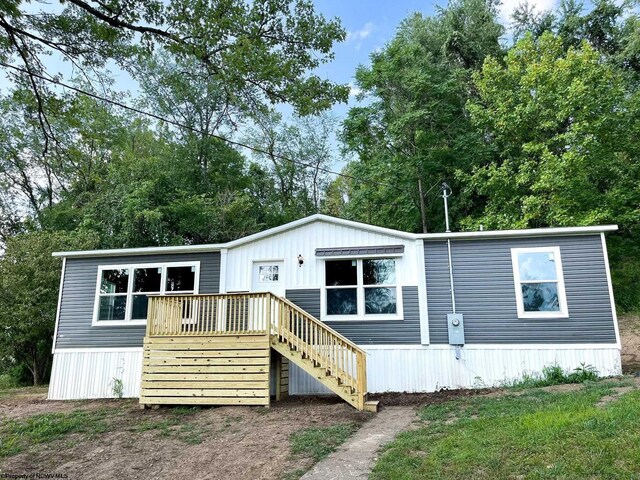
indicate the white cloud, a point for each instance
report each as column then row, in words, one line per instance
column 354, row 91
column 361, row 34
column 508, row 6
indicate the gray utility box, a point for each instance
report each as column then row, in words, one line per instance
column 455, row 323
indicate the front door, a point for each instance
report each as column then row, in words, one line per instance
column 268, row 277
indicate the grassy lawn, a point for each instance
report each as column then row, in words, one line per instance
column 532, row 433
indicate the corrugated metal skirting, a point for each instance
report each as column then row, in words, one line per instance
column 428, row 369
column 79, row 375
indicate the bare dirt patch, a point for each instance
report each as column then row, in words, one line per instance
column 421, row 399
column 630, row 339
column 26, row 402
column 234, row 442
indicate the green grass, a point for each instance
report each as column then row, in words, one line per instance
column 17, row 435
column 317, row 443
column 537, row 434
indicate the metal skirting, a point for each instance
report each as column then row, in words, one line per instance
column 78, row 375
column 428, row 369
column 95, row 374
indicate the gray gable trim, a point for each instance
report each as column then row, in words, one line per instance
column 352, row 251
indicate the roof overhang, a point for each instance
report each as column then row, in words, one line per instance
column 529, row 232
column 533, row 232
column 235, row 243
column 118, row 252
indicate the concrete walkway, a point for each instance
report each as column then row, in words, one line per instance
column 356, row 457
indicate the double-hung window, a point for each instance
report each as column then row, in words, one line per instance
column 539, row 282
column 361, row 288
column 123, row 290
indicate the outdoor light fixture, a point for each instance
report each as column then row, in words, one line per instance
column 300, row 260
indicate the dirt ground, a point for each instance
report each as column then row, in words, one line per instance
column 630, row 339
column 237, row 442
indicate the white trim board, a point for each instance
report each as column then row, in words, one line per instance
column 99, row 350
column 527, row 232
column 610, row 285
column 496, row 346
column 216, row 247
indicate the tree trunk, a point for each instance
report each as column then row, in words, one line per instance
column 423, row 213
column 36, row 374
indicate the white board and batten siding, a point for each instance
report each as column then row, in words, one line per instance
column 286, row 246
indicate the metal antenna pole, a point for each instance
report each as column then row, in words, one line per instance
column 446, row 193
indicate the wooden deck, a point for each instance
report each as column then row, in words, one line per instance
column 217, row 350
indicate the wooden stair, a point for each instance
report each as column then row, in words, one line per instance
column 196, row 333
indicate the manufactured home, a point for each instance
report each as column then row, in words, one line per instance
column 325, row 305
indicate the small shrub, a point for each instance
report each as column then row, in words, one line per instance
column 117, row 387
column 7, row 381
column 555, row 375
column 583, row 373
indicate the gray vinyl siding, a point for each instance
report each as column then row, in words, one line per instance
column 369, row 332
column 485, row 292
column 78, row 299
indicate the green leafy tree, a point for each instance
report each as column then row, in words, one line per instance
column 558, row 124
column 414, row 130
column 292, row 163
column 29, row 280
column 261, row 51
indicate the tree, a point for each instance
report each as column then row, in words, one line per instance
column 415, row 130
column 261, row 51
column 559, row 124
column 609, row 27
column 297, row 157
column 29, row 280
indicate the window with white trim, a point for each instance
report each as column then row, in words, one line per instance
column 539, row 282
column 361, row 288
column 123, row 290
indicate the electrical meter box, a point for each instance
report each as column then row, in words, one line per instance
column 455, row 322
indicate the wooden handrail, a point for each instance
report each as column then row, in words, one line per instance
column 318, row 322
column 262, row 313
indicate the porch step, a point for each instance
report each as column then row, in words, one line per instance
column 371, row 406
column 320, row 373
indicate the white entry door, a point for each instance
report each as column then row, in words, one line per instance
column 268, row 277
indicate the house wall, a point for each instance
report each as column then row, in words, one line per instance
column 287, row 245
column 79, row 293
column 485, row 292
column 303, row 284
column 390, row 368
column 369, row 332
